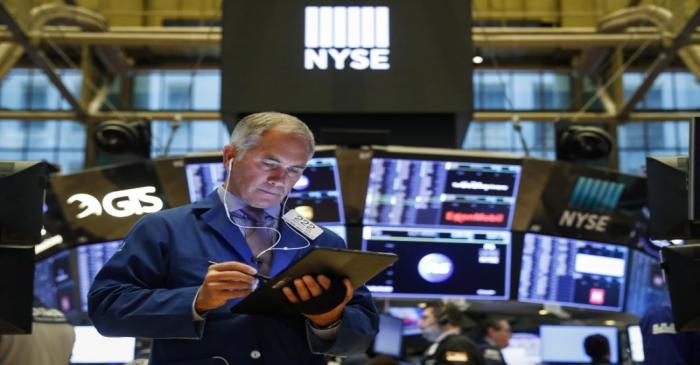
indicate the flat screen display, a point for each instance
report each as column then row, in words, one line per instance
column 388, row 339
column 321, row 56
column 646, row 286
column 203, row 178
column 564, row 344
column 441, row 262
column 54, row 284
column 90, row 347
column 634, row 335
column 90, row 260
column 316, row 196
column 439, row 192
column 523, row 349
column 410, row 317
column 572, row 272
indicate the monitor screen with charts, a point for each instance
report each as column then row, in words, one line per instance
column 646, row 285
column 441, row 190
column 90, row 259
column 572, row 272
column 54, row 283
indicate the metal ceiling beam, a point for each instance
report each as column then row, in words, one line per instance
column 21, row 38
column 481, row 116
column 576, row 38
column 662, row 61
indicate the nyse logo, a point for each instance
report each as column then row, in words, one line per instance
column 587, row 221
column 119, row 204
column 346, row 36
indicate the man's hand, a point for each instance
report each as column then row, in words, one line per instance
column 308, row 287
column 224, row 281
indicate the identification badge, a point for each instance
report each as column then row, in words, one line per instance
column 455, row 356
column 303, row 225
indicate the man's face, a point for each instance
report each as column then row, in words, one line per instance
column 266, row 173
column 502, row 335
column 428, row 318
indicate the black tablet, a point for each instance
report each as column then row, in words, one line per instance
column 358, row 266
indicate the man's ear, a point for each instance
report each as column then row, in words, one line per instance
column 230, row 153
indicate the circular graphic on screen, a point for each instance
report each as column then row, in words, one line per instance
column 435, row 267
column 302, row 184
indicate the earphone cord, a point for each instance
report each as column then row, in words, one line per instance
column 279, row 234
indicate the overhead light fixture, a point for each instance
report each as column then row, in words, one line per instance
column 477, row 59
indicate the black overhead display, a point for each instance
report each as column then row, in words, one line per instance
column 563, row 199
column 382, row 56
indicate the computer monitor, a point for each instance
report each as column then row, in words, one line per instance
column 681, row 265
column 523, row 349
column 412, row 187
column 317, row 195
column 90, row 259
column 54, row 283
column 694, row 171
column 634, row 336
column 646, row 287
column 204, row 173
column 90, row 347
column 572, row 272
column 441, row 262
column 668, row 196
column 22, row 184
column 410, row 317
column 388, row 339
column 564, row 344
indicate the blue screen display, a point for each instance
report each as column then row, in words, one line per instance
column 388, row 339
column 54, row 284
column 572, row 272
column 646, row 284
column 90, row 260
column 407, row 192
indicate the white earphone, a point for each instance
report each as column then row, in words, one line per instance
column 279, row 234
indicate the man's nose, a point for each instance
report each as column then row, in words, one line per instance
column 276, row 177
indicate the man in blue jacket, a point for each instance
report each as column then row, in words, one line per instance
column 160, row 283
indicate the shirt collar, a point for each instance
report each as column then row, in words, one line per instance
column 454, row 331
column 235, row 203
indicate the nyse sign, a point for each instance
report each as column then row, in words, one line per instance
column 119, row 204
column 584, row 220
column 353, row 36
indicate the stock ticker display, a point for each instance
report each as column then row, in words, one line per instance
column 449, row 223
column 646, row 285
column 572, row 272
column 441, row 262
column 90, row 260
column 428, row 193
column 54, row 284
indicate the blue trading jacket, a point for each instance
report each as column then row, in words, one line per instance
column 662, row 344
column 147, row 289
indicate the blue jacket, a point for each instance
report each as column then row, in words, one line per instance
column 662, row 344
column 148, row 287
